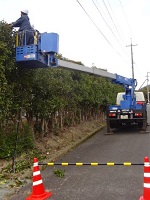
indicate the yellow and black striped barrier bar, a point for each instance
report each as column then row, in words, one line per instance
column 90, row 164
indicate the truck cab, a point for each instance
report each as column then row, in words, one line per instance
column 140, row 99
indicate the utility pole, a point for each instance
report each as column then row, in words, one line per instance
column 132, row 62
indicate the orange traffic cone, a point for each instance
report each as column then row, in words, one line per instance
column 38, row 192
column 146, row 190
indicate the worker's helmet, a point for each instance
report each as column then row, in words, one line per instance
column 25, row 11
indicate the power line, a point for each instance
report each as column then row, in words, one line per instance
column 108, row 25
column 99, row 29
column 117, row 23
column 95, row 24
column 125, row 17
column 142, row 84
column 148, row 87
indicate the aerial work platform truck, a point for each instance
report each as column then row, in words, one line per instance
column 42, row 54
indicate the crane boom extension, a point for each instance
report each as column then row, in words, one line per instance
column 97, row 72
column 82, row 68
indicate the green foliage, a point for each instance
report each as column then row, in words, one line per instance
column 25, row 161
column 26, row 139
column 7, row 142
column 6, row 64
column 20, row 165
column 9, row 137
column 59, row 173
column 144, row 90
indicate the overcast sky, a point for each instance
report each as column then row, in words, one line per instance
column 95, row 32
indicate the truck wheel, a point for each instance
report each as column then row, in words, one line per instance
column 144, row 126
column 112, row 125
column 140, row 124
column 108, row 128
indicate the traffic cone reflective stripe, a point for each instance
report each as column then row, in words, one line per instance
column 38, row 192
column 37, row 182
column 146, row 190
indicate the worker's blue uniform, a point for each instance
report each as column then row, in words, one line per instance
column 24, row 25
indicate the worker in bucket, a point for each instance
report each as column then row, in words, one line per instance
column 25, row 28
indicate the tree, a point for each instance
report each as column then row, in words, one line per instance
column 6, row 65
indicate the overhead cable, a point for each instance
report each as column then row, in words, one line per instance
column 117, row 23
column 98, row 29
column 125, row 17
column 109, row 26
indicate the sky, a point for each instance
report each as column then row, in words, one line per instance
column 95, row 32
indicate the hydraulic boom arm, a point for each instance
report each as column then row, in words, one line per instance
column 115, row 78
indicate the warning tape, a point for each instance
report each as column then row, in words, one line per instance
column 92, row 164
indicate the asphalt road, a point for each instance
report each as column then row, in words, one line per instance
column 100, row 182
